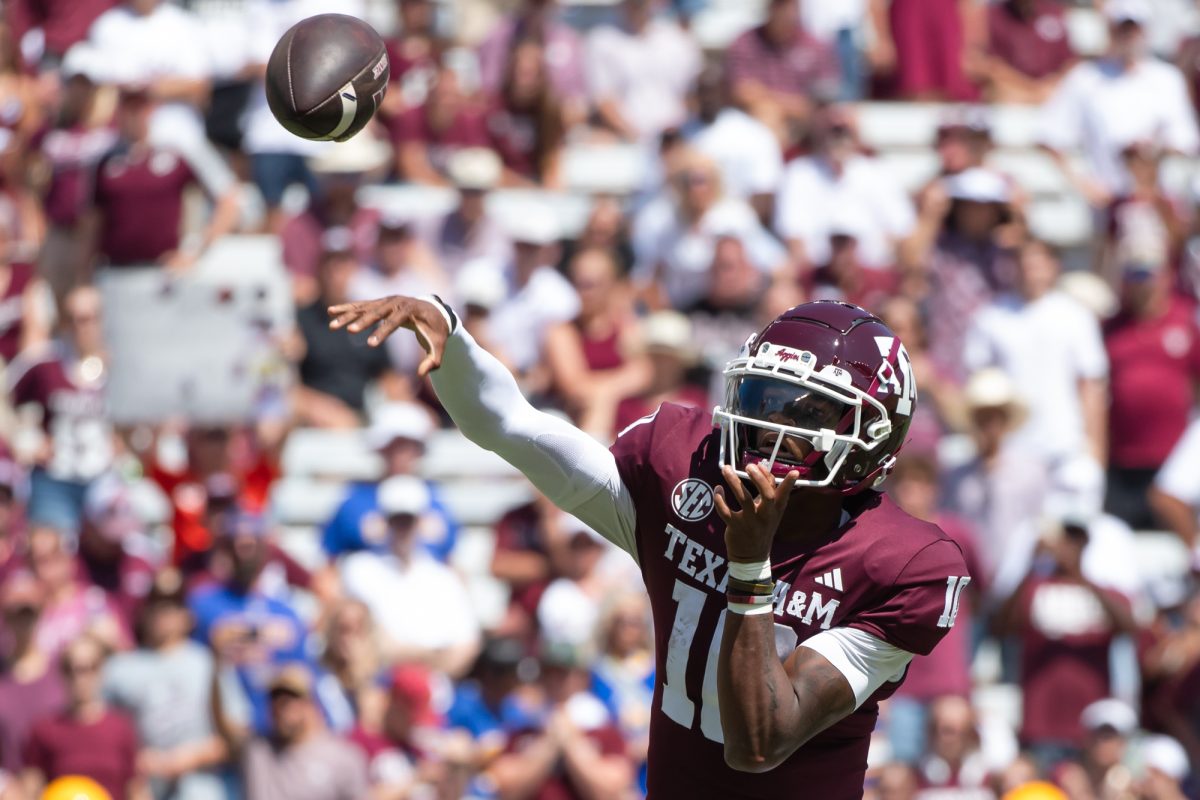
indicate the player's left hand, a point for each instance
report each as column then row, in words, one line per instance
column 750, row 530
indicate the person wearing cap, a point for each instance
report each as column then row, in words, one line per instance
column 335, row 371
column 1153, row 346
column 399, row 432
column 31, row 685
column 68, row 150
column 588, row 357
column 109, row 539
column 575, row 749
column 295, row 756
column 1066, row 622
column 398, row 753
column 1052, row 349
column 538, row 296
column 999, row 487
column 569, row 608
column 1126, row 96
column 421, row 605
column 1026, row 53
column 777, row 68
column 1100, row 769
column 87, row 736
column 139, row 190
column 164, row 687
column 639, row 71
column 959, row 254
column 242, row 616
column 468, row 233
column 838, row 179
column 668, row 344
column 64, row 381
column 675, row 234
column 1165, row 769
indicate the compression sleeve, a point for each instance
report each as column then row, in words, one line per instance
column 577, row 473
column 866, row 661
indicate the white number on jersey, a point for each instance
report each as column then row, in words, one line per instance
column 675, row 702
column 954, row 586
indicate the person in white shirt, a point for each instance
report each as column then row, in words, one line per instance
column 149, row 42
column 744, row 149
column 1175, row 495
column 1105, row 105
column 1052, row 349
column 675, row 235
column 420, row 604
column 839, row 175
column 639, row 71
column 538, row 295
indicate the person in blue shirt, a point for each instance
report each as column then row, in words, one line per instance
column 250, row 630
column 398, row 432
column 489, row 705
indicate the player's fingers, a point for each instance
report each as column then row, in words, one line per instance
column 735, row 485
column 763, row 481
column 343, row 314
column 723, row 509
column 784, row 491
column 368, row 316
column 386, row 328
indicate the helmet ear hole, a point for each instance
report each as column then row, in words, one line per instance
column 880, row 429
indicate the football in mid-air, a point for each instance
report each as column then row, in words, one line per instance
column 327, row 76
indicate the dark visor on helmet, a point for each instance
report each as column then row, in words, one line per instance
column 784, row 403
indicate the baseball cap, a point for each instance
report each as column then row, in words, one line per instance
column 481, row 283
column 294, row 678
column 1109, row 713
column 538, row 227
column 356, row 155
column 398, row 421
column 474, row 168
column 403, row 494
column 978, row 185
column 669, row 332
column 391, row 221
column 411, row 685
column 991, row 387
column 970, row 118
column 1118, row 11
column 562, row 653
column 107, row 506
column 503, row 653
column 849, row 220
column 83, row 61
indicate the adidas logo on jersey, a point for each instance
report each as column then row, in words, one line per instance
column 832, row 579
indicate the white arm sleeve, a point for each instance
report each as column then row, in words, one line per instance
column 866, row 661
column 576, row 472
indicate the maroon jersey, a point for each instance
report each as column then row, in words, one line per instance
column 73, row 412
column 12, row 309
column 72, row 154
column 882, row 572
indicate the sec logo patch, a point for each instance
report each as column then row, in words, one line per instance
column 692, row 499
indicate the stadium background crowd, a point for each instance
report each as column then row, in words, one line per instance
column 319, row 590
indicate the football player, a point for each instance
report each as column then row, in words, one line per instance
column 788, row 595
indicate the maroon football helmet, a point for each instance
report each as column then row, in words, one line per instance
column 825, row 389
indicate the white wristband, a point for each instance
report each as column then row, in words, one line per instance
column 750, row 571
column 441, row 306
column 750, row 609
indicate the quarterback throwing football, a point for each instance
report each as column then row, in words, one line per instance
column 788, row 595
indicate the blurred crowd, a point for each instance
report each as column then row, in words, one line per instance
column 209, row 655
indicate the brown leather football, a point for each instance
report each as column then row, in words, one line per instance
column 327, row 76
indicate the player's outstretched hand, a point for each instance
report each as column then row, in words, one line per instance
column 387, row 315
column 750, row 530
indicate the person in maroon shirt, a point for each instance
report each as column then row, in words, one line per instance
column 88, row 738
column 65, row 380
column 426, row 135
column 413, row 57
column 1066, row 624
column 930, row 39
column 776, row 70
column 63, row 22
column 526, row 124
column 1153, row 346
column 762, row 607
column 577, row 752
column 31, row 686
column 139, row 191
column 1027, row 52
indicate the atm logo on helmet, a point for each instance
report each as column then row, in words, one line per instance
column 896, row 378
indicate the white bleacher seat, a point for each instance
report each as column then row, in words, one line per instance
column 912, row 169
column 716, row 26
column 1033, row 170
column 302, row 501
column 891, row 126
column 604, row 168
column 342, row 455
column 1064, row 221
column 450, row 455
column 482, row 502
column 1015, row 127
column 410, row 201
column 423, row 202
